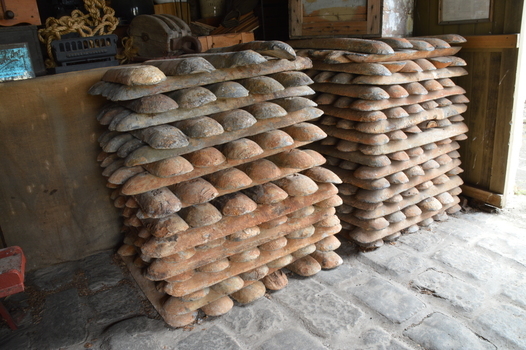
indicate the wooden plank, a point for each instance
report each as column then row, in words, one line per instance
column 156, row 298
column 492, row 115
column 504, row 122
column 177, row 8
column 335, row 18
column 507, row 41
column 52, row 195
column 513, row 15
column 473, row 155
column 296, row 18
column 482, row 195
column 334, row 28
column 374, row 17
column 224, row 40
column 491, row 86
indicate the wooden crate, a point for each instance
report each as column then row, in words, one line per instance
column 213, row 41
column 330, row 21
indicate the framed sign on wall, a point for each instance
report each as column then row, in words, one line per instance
column 466, row 11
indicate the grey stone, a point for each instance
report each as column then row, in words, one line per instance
column 392, row 259
column 53, row 277
column 516, row 292
column 17, row 341
column 291, row 339
column 101, row 271
column 510, row 224
column 458, row 293
column 63, row 321
column 440, row 332
column 423, row 241
column 114, row 304
column 511, row 248
column 504, row 323
column 211, row 338
column 394, row 303
column 378, row 339
column 325, row 312
column 469, row 262
column 467, row 228
column 255, row 320
column 344, row 273
column 138, row 333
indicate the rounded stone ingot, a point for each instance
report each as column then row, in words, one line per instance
column 185, row 276
column 274, row 245
column 334, row 201
column 306, row 266
column 216, row 266
column 180, row 320
column 331, row 221
column 266, row 194
column 323, row 175
column 302, row 233
column 206, row 157
column 211, row 244
column 218, row 307
column 273, row 223
column 200, row 294
column 327, row 260
column 328, row 244
column 229, row 285
column 302, row 213
column 246, row 256
column 180, row 256
column 281, row 262
column 297, row 185
column 244, row 234
column 250, row 293
column 300, row 253
column 255, row 274
column 276, row 280
column 127, row 250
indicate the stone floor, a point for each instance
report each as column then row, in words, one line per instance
column 460, row 284
column 520, row 182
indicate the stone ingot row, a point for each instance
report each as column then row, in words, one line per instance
column 393, row 118
column 202, row 154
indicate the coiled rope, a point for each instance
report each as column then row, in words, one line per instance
column 100, row 20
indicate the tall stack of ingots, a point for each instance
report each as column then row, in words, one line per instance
column 202, row 152
column 393, row 116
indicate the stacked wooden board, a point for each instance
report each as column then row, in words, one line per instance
column 202, row 153
column 393, row 116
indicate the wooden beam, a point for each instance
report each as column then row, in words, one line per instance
column 333, row 28
column 374, row 16
column 155, row 297
column 506, row 41
column 494, row 199
column 296, row 18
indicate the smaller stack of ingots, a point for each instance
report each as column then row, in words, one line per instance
column 393, row 116
column 202, row 154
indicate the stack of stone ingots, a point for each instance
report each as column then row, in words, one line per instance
column 393, row 116
column 202, row 153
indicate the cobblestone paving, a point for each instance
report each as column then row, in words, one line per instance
column 460, row 284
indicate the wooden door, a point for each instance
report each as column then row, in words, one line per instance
column 491, row 53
